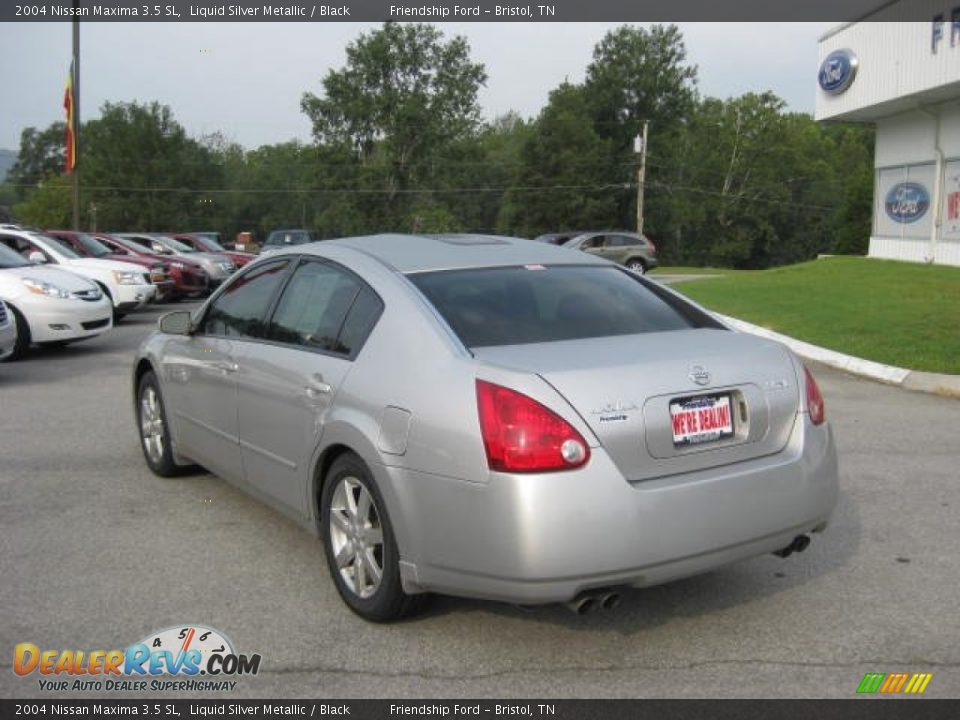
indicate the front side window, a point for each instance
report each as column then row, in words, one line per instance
column 240, row 309
column 313, row 310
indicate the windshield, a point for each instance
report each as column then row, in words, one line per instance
column 209, row 240
column 208, row 243
column 289, row 237
column 176, row 244
column 59, row 245
column 536, row 304
column 10, row 259
column 93, row 246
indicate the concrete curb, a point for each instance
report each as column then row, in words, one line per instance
column 934, row 383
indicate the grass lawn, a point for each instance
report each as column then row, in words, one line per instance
column 898, row 313
column 684, row 270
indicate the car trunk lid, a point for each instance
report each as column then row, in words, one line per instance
column 736, row 395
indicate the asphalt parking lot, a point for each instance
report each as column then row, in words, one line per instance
column 96, row 553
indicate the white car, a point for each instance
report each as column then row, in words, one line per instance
column 127, row 285
column 47, row 305
column 8, row 332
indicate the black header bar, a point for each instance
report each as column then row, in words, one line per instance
column 470, row 10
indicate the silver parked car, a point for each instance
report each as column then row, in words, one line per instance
column 489, row 417
column 636, row 252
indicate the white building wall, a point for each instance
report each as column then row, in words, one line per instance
column 906, row 152
column 905, row 139
column 908, row 86
column 896, row 60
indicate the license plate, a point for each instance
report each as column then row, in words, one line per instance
column 701, row 419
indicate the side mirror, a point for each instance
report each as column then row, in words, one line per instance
column 37, row 257
column 176, row 323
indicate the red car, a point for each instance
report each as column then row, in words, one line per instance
column 204, row 243
column 87, row 246
column 190, row 279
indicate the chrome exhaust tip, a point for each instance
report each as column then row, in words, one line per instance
column 610, row 600
column 583, row 604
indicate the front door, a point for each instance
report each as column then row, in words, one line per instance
column 202, row 370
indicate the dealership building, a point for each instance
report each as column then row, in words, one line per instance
column 904, row 78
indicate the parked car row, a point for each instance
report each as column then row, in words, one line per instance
column 60, row 286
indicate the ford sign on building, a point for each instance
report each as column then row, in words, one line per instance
column 837, row 71
column 903, row 77
column 907, row 202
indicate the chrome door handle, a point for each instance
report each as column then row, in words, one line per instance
column 227, row 367
column 316, row 389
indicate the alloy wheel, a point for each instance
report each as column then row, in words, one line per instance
column 356, row 537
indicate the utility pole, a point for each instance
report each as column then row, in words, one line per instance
column 75, row 175
column 640, row 147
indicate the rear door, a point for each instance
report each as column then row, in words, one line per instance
column 289, row 382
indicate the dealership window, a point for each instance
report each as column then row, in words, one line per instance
column 950, row 212
column 903, row 202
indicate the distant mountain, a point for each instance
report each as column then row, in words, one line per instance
column 7, row 159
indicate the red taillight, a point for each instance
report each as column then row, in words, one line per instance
column 815, row 405
column 521, row 435
column 653, row 246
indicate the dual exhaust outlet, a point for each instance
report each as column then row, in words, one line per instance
column 590, row 601
column 594, row 600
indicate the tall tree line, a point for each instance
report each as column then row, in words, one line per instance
column 399, row 145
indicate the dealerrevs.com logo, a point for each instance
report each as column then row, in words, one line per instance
column 182, row 658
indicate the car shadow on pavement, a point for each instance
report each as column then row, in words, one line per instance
column 738, row 584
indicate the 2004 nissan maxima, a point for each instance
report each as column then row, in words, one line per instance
column 489, row 417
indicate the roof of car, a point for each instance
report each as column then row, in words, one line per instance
column 420, row 253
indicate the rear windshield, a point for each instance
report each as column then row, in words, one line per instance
column 536, row 304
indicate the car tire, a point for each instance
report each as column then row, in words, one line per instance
column 23, row 335
column 153, row 429
column 357, row 529
column 637, row 265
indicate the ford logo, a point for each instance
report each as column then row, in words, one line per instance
column 838, row 71
column 907, row 202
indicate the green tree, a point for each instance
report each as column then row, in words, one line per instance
column 640, row 75
column 566, row 172
column 41, row 156
column 144, row 172
column 405, row 97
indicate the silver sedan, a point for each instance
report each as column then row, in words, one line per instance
column 489, row 417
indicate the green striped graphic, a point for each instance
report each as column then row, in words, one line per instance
column 871, row 682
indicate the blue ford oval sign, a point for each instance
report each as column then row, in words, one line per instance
column 907, row 202
column 838, row 71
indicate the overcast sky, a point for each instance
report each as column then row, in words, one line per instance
column 246, row 79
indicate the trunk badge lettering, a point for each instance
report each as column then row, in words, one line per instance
column 617, row 408
column 699, row 374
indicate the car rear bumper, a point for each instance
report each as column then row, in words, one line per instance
column 547, row 537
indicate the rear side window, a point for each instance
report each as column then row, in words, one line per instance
column 535, row 304
column 324, row 308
